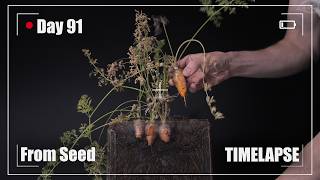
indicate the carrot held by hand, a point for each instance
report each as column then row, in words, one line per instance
column 180, row 83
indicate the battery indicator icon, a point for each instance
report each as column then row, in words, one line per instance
column 287, row 24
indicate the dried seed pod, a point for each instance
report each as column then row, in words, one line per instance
column 164, row 132
column 151, row 133
column 138, row 125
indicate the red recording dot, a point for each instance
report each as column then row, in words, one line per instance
column 29, row 25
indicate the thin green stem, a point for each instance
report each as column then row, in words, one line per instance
column 201, row 27
column 133, row 88
column 76, row 141
column 101, row 117
column 102, row 101
column 89, row 124
column 189, row 41
column 165, row 31
column 105, row 124
column 112, row 112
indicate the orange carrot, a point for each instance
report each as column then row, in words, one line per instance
column 180, row 83
column 165, row 132
column 151, row 133
column 138, row 125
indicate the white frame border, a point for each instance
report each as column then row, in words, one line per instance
column 235, row 174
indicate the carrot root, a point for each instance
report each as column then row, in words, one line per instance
column 150, row 133
column 165, row 133
column 180, row 83
column 138, row 125
column 185, row 101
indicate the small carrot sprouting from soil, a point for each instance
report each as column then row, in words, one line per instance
column 151, row 132
column 180, row 83
column 138, row 125
column 164, row 132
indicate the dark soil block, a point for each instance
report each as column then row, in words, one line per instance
column 188, row 151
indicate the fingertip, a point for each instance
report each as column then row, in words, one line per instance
column 186, row 71
column 171, row 83
column 191, row 67
column 182, row 62
column 193, row 88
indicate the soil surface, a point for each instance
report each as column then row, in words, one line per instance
column 188, row 151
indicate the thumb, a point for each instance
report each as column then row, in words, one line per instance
column 192, row 65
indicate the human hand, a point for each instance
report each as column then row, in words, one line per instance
column 214, row 69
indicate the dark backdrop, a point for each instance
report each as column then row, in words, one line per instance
column 49, row 73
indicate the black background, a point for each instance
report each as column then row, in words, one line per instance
column 48, row 74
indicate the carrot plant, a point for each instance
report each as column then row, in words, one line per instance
column 145, row 71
